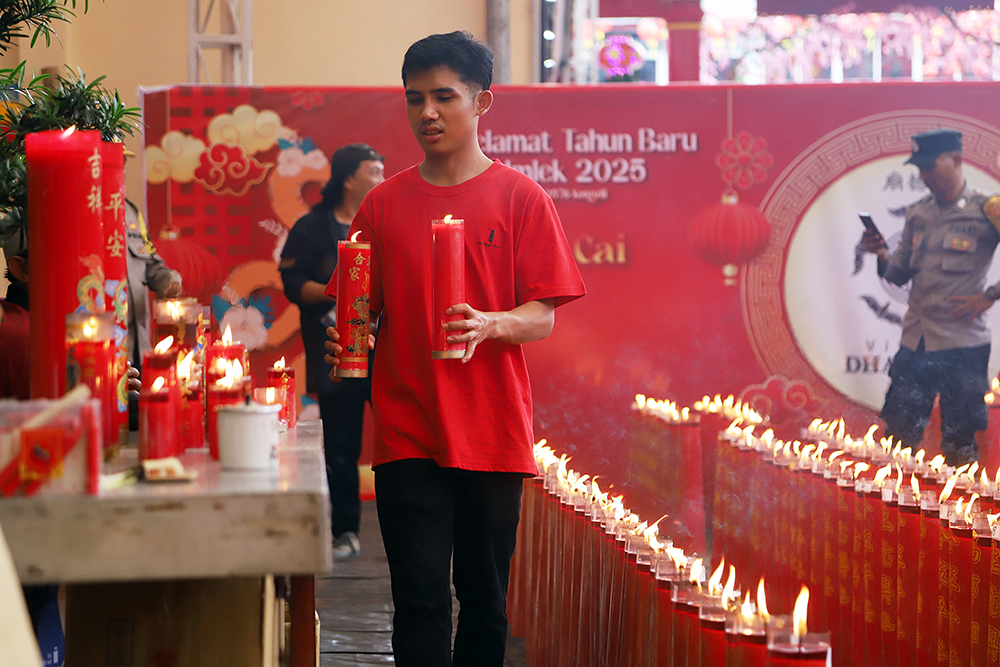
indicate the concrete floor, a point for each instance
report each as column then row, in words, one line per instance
column 355, row 607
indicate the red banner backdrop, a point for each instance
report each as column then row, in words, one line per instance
column 716, row 228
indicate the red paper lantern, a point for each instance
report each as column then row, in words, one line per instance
column 729, row 232
column 199, row 269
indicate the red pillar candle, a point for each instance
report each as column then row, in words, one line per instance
column 193, row 417
column 906, row 568
column 746, row 640
column 64, row 225
column 712, row 631
column 448, row 284
column 116, row 270
column 795, row 646
column 158, row 427
column 354, row 260
column 981, row 557
column 960, row 587
column 280, row 376
column 220, row 356
column 90, row 360
column 927, row 586
column 177, row 318
column 161, row 362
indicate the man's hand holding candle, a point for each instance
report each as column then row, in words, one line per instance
column 526, row 323
column 335, row 349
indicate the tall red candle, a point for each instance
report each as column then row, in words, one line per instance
column 906, row 560
column 927, row 586
column 981, row 556
column 193, row 417
column 90, row 360
column 116, row 270
column 159, row 431
column 161, row 362
column 353, row 287
column 448, row 284
column 960, row 589
column 280, row 376
column 64, row 223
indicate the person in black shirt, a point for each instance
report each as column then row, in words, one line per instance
column 307, row 263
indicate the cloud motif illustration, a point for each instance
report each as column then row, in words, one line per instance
column 177, row 157
column 253, row 130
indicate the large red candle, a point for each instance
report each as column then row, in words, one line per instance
column 158, row 427
column 116, row 270
column 64, row 225
column 927, row 586
column 90, row 360
column 448, row 284
column 193, row 417
column 353, row 287
column 282, row 377
column 905, row 562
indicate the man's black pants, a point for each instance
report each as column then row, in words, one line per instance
column 427, row 514
column 960, row 377
column 343, row 416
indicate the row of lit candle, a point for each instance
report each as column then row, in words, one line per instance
column 591, row 584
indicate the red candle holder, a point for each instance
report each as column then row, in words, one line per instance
column 221, row 356
column 981, row 558
column 281, row 377
column 178, row 318
column 787, row 648
column 746, row 638
column 272, row 396
column 116, row 270
column 193, row 417
column 64, row 221
column 448, row 284
column 90, row 360
column 158, row 427
column 353, row 286
column 712, row 631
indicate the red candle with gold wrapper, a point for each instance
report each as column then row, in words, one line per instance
column 280, row 376
column 353, row 286
column 981, row 556
column 927, row 586
column 960, row 588
column 159, row 432
column 905, row 563
column 116, row 270
column 448, row 284
column 64, row 222
column 90, row 360
column 746, row 639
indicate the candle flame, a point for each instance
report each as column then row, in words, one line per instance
column 728, row 591
column 762, row 600
column 677, row 556
column 962, row 469
column 859, row 468
column 967, row 515
column 90, row 328
column 746, row 609
column 915, row 485
column 227, row 336
column 158, row 384
column 936, row 463
column 972, row 471
column 946, row 491
column 992, row 518
column 237, row 369
column 882, row 473
column 799, row 613
column 185, row 365
column 640, row 401
column 920, row 457
column 697, row 572
column 279, row 365
column 269, row 395
column 899, row 478
column 164, row 345
column 447, row 218
column 174, row 308
column 833, row 457
column 68, row 132
column 715, row 583
column 354, row 236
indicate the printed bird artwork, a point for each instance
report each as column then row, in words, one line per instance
column 859, row 258
column 882, row 311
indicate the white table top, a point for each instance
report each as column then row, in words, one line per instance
column 222, row 524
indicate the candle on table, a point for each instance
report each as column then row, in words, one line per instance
column 283, row 377
column 177, row 318
column 219, row 357
column 353, row 285
column 981, row 560
column 960, row 587
column 90, row 360
column 799, row 648
column 116, row 270
column 447, row 284
column 192, row 411
column 904, row 565
column 746, row 639
column 161, row 362
column 227, row 390
column 712, row 609
column 272, row 396
column 64, row 222
column 158, row 433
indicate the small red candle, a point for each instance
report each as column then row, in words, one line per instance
column 280, row 376
column 161, row 362
column 353, row 286
column 64, row 226
column 219, row 356
column 192, row 410
column 178, row 318
column 90, row 360
column 448, row 284
column 798, row 648
column 746, row 639
column 158, row 428
column 115, row 269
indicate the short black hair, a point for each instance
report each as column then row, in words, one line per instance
column 343, row 164
column 460, row 51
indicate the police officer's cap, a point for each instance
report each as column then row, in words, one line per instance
column 926, row 146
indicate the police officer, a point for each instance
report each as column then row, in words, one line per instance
column 945, row 250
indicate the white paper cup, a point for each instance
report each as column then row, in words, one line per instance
column 248, row 436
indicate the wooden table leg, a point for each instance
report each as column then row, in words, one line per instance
column 302, row 608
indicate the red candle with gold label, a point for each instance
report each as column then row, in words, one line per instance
column 116, row 270
column 282, row 377
column 158, row 427
column 353, row 286
column 90, row 360
column 905, row 580
column 960, row 586
column 448, row 284
column 983, row 544
column 796, row 646
column 64, row 223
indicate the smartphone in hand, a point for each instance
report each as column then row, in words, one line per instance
column 866, row 220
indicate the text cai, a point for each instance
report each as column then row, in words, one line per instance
column 588, row 141
column 590, row 250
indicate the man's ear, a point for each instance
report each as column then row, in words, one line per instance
column 484, row 100
column 18, row 265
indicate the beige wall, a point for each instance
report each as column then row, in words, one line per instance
column 315, row 42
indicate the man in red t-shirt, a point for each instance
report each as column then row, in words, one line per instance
column 453, row 438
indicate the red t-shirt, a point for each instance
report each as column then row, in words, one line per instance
column 475, row 416
column 15, row 347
